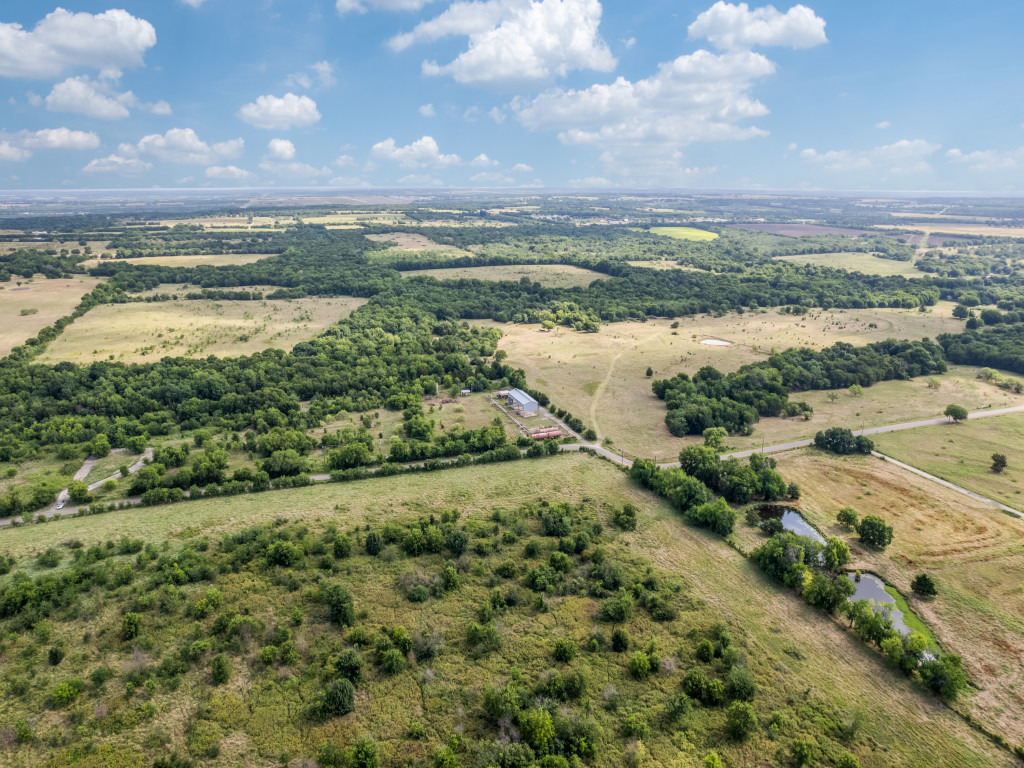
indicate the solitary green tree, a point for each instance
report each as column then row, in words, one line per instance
column 924, row 585
column 998, row 462
column 955, row 412
column 874, row 532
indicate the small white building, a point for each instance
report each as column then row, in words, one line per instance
column 465, row 393
column 522, row 402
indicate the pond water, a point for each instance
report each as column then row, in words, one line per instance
column 716, row 343
column 870, row 587
column 792, row 521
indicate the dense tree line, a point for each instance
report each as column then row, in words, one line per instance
column 999, row 346
column 735, row 401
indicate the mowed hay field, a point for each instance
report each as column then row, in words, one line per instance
column 53, row 299
column 599, row 377
column 548, row 275
column 781, row 636
column 962, row 454
column 199, row 260
column 974, row 552
column 856, row 262
column 146, row 332
column 407, row 241
column 685, row 233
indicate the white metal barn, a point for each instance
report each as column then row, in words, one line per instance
column 522, row 402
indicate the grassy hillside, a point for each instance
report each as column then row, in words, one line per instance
column 240, row 632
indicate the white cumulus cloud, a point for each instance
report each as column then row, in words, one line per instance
column 900, row 157
column 522, row 168
column 423, row 152
column 83, row 95
column 641, row 127
column 483, row 161
column 427, row 110
column 737, row 27
column 118, row 164
column 9, row 153
column 281, row 149
column 322, row 75
column 516, row 42
column 228, row 173
column 183, row 146
column 362, row 6
column 492, row 178
column 420, row 180
column 288, row 111
column 62, row 41
column 60, row 138
column 989, row 159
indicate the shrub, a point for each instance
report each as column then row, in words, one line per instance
column 678, row 706
column 742, row 685
column 740, row 720
column 419, row 594
column 339, row 699
column 565, row 650
column 342, row 547
column 220, row 669
column 874, row 532
column 131, row 625
column 373, row 544
column 924, row 585
column 640, row 665
column 340, row 608
column 67, row 692
column 620, row 641
column 705, row 651
column 349, row 665
column 364, row 754
column 803, row 751
column 55, row 656
column 625, row 518
column 848, row 761
column 392, row 661
column 617, row 609
column 847, row 517
column 636, row 727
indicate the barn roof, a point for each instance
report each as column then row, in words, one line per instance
column 521, row 397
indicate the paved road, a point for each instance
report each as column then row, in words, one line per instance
column 875, row 431
column 626, row 462
column 948, row 484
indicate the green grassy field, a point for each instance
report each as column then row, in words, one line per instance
column 685, row 233
column 962, row 454
column 971, row 549
column 548, row 275
column 211, row 260
column 143, row 332
column 600, row 377
column 856, row 262
column 807, row 667
column 50, row 300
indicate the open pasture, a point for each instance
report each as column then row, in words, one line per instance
column 661, row 264
column 28, row 308
column 407, row 241
column 856, row 262
column 685, row 233
column 548, row 275
column 145, row 332
column 958, row 229
column 962, row 454
column 972, row 550
column 790, row 646
column 199, row 260
column 796, row 229
column 600, row 377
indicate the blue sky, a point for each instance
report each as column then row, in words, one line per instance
column 512, row 93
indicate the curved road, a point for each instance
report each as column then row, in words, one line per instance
column 625, row 462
